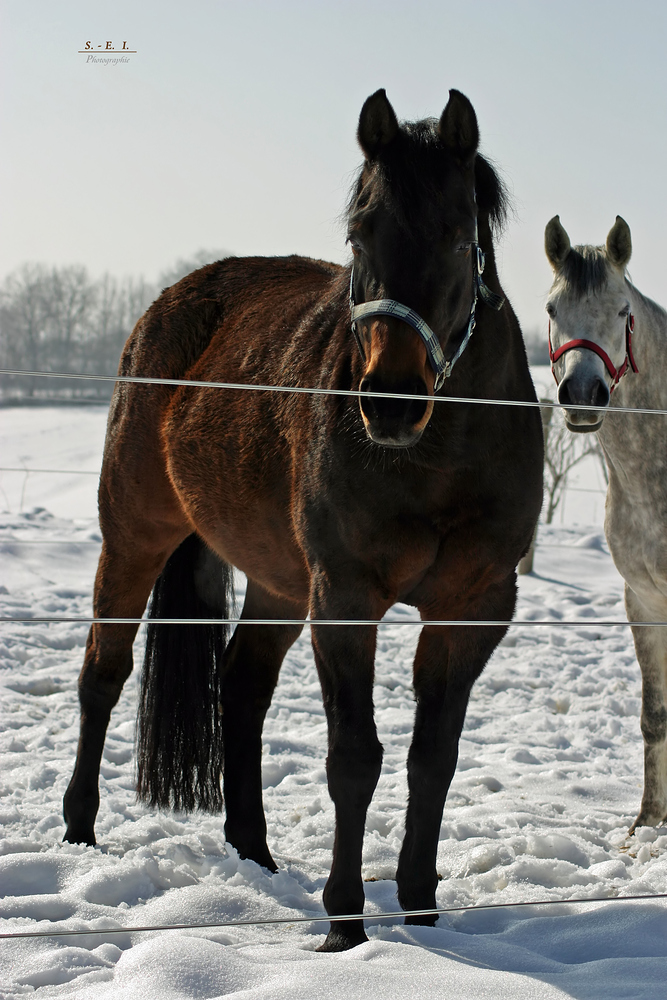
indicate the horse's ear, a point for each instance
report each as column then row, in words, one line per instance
column 378, row 124
column 619, row 244
column 556, row 243
column 458, row 127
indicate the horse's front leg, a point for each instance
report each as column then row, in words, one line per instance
column 345, row 658
column 651, row 649
column 252, row 663
column 448, row 662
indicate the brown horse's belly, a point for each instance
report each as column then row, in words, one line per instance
column 233, row 486
column 260, row 551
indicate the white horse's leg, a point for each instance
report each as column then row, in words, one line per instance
column 651, row 649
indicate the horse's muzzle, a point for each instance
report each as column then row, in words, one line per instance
column 577, row 390
column 392, row 422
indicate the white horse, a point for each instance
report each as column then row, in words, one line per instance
column 607, row 346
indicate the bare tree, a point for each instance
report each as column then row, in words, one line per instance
column 23, row 319
column 562, row 451
column 120, row 303
column 59, row 319
column 69, row 303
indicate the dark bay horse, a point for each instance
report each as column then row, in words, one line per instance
column 337, row 506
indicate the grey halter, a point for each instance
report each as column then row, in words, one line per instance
column 389, row 307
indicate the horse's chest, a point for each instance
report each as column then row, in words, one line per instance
column 413, row 546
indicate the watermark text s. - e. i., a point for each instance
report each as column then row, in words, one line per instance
column 106, row 47
column 106, row 53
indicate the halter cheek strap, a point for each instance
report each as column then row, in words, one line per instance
column 616, row 374
column 390, row 307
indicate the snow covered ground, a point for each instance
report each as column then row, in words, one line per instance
column 549, row 779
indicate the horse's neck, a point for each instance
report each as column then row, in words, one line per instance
column 632, row 441
column 648, row 386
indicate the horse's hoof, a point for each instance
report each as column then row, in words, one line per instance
column 74, row 835
column 260, row 855
column 646, row 818
column 427, row 920
column 344, row 936
column 270, row 864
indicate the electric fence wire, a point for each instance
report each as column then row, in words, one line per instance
column 62, row 472
column 364, row 622
column 196, row 383
column 267, row 621
column 322, row 918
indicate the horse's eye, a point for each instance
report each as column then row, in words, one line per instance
column 624, row 311
column 355, row 245
column 463, row 248
column 551, row 309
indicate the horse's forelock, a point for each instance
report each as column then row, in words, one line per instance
column 413, row 162
column 585, row 270
column 368, row 188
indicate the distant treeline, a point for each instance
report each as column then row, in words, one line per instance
column 537, row 346
column 59, row 319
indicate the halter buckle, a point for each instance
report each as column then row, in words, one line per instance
column 481, row 261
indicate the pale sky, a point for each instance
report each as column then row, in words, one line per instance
column 234, row 124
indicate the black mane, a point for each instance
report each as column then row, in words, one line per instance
column 492, row 196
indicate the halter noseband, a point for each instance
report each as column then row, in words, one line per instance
column 616, row 374
column 389, row 307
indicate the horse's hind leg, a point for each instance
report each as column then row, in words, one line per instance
column 252, row 663
column 125, row 578
column 651, row 649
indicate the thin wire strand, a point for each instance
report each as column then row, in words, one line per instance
column 68, row 472
column 8, row 540
column 145, row 380
column 325, row 918
column 523, row 622
column 93, row 541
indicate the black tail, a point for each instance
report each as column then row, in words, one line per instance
column 179, row 731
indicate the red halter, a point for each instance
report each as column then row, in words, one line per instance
column 616, row 373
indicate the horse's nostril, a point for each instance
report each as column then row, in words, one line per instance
column 564, row 392
column 600, row 394
column 367, row 403
column 393, row 411
column 582, row 392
